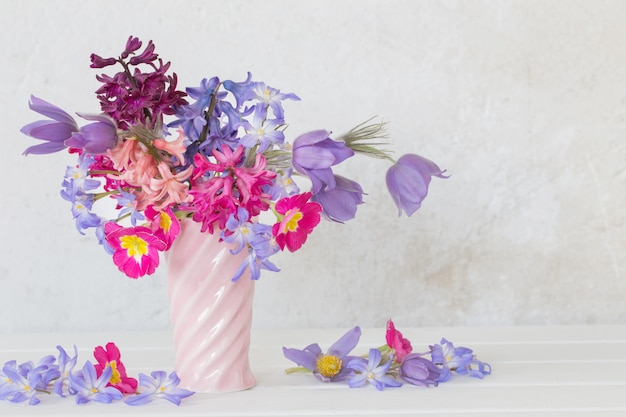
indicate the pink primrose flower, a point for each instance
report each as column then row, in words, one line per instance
column 136, row 249
column 401, row 346
column 164, row 224
column 111, row 357
column 300, row 218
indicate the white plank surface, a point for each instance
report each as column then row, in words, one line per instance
column 537, row 371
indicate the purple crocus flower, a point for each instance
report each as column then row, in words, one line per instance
column 408, row 180
column 97, row 137
column 89, row 387
column 62, row 131
column 339, row 203
column 417, row 370
column 329, row 366
column 314, row 154
column 373, row 371
column 54, row 132
column 158, row 385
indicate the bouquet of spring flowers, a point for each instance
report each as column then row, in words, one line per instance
column 216, row 154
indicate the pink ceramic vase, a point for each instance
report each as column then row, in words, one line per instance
column 210, row 314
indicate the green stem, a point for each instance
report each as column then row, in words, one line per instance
column 207, row 116
column 297, row 370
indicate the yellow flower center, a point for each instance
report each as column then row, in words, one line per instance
column 134, row 245
column 26, row 388
column 165, row 222
column 329, row 365
column 260, row 132
column 115, row 375
column 292, row 223
column 94, row 390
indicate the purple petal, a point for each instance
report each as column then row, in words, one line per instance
column 50, row 110
column 310, row 138
column 357, row 381
column 48, row 130
column 314, row 157
column 346, row 343
column 140, row 399
column 301, row 357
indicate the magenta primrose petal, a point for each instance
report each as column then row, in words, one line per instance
column 135, row 249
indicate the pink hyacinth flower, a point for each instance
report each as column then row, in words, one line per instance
column 300, row 218
column 136, row 249
column 397, row 342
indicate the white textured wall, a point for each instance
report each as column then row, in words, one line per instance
column 524, row 102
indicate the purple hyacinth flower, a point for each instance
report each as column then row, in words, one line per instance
column 54, row 132
column 339, row 203
column 314, row 154
column 329, row 366
column 373, row 371
column 417, row 370
column 97, row 137
column 241, row 90
column 408, row 180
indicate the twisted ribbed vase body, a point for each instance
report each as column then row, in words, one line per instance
column 211, row 316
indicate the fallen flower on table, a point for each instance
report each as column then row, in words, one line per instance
column 329, row 366
column 373, row 370
column 90, row 387
column 460, row 360
column 158, row 385
column 111, row 358
column 390, row 365
column 104, row 382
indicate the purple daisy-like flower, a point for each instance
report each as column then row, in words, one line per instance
column 458, row 359
column 329, row 366
column 373, row 371
column 88, row 387
column 158, row 385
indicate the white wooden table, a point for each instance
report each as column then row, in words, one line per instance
column 540, row 371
